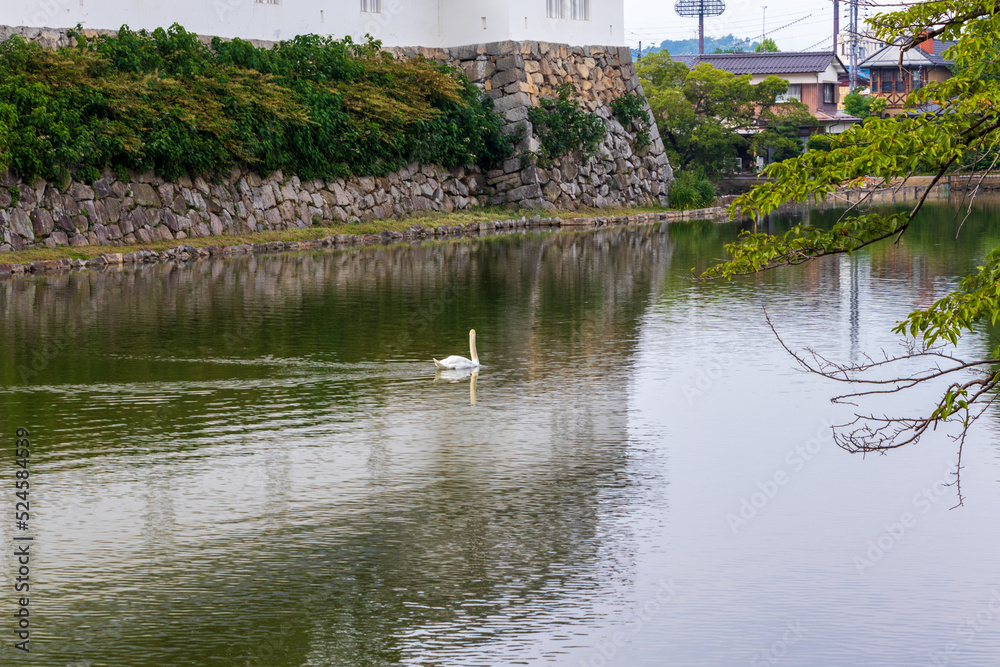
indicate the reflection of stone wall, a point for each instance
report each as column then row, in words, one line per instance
column 527, row 484
column 515, row 75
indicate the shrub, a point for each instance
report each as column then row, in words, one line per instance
column 691, row 190
column 819, row 142
column 562, row 126
column 314, row 106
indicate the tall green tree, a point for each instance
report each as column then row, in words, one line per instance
column 699, row 111
column 966, row 123
column 766, row 46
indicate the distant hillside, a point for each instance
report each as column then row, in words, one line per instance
column 679, row 46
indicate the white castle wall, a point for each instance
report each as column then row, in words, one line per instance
column 433, row 23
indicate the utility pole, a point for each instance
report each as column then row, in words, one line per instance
column 836, row 24
column 763, row 23
column 701, row 30
column 854, row 45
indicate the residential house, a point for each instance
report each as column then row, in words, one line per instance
column 894, row 79
column 812, row 79
column 429, row 23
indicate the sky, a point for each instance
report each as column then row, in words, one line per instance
column 795, row 25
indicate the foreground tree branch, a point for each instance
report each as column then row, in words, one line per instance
column 969, row 389
column 963, row 132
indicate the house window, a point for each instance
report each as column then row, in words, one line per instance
column 828, row 93
column 373, row 6
column 554, row 9
column 579, row 10
column 888, row 78
column 794, row 93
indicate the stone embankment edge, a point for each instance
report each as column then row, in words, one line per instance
column 187, row 253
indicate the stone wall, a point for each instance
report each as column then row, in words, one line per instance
column 516, row 75
column 143, row 208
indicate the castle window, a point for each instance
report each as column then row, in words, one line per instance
column 268, row 2
column 577, row 10
column 372, row 6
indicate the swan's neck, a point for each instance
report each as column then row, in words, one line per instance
column 472, row 348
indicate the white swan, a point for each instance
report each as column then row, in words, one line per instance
column 455, row 361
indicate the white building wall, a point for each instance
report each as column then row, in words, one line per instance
column 469, row 22
column 606, row 24
column 407, row 21
column 829, row 75
column 400, row 23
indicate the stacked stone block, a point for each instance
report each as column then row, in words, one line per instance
column 516, row 75
column 144, row 208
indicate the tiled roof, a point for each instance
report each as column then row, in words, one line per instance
column 916, row 57
column 804, row 62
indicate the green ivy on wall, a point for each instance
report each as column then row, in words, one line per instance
column 562, row 126
column 313, row 106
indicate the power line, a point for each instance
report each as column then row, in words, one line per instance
column 820, row 43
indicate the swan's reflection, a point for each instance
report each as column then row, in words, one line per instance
column 458, row 374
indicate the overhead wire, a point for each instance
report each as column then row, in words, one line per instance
column 721, row 26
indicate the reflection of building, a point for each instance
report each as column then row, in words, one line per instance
column 920, row 66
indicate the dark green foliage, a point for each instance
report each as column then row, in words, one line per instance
column 691, row 190
column 819, row 142
column 313, row 106
column 699, row 111
column 562, row 126
column 15, row 195
column 780, row 138
column 630, row 110
column 863, row 106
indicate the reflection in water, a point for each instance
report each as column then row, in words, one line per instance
column 235, row 431
column 454, row 375
column 248, row 461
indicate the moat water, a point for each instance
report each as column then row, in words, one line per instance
column 253, row 461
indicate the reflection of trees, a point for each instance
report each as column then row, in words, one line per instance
column 487, row 523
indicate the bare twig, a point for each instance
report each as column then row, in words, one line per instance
column 964, row 400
